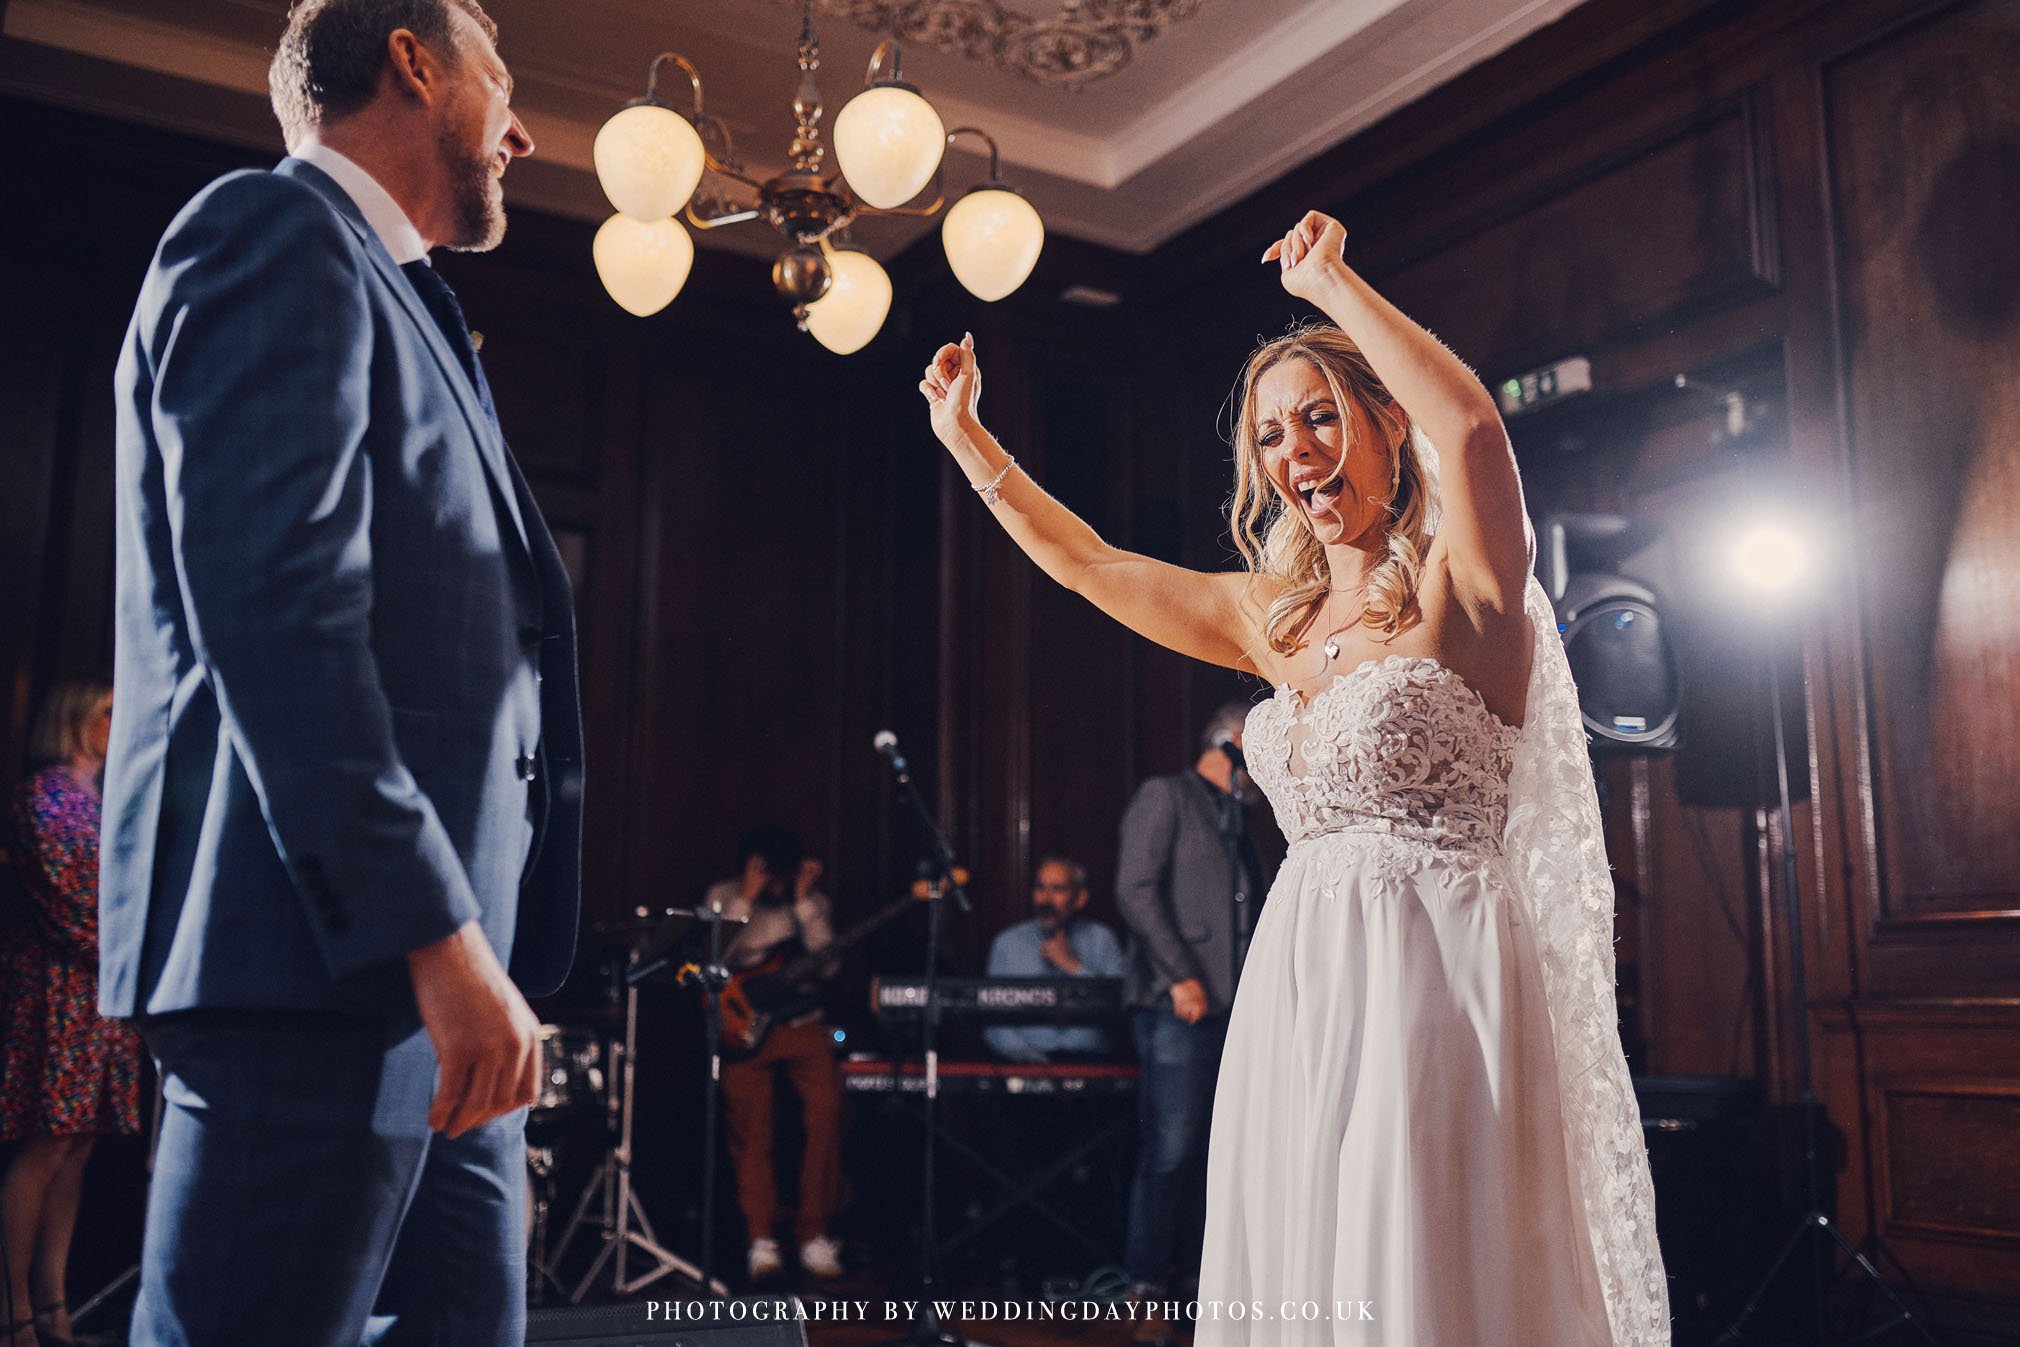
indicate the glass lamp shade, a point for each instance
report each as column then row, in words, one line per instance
column 853, row 310
column 993, row 238
column 888, row 141
column 649, row 160
column 642, row 265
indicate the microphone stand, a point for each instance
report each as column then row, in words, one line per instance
column 939, row 869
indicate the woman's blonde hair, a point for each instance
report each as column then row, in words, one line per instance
column 1275, row 541
column 62, row 728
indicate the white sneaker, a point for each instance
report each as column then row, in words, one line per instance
column 764, row 1259
column 821, row 1257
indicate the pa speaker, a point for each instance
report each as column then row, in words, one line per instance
column 763, row 1321
column 1614, row 634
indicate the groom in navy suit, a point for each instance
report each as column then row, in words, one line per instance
column 343, row 799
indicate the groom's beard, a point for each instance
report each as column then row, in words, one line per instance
column 479, row 198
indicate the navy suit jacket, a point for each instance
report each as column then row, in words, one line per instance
column 345, row 714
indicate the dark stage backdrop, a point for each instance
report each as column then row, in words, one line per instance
column 1802, row 208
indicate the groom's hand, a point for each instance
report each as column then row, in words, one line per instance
column 1188, row 1000
column 485, row 1035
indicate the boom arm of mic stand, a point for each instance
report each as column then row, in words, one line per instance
column 942, row 854
column 651, row 968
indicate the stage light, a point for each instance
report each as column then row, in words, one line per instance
column 1769, row 557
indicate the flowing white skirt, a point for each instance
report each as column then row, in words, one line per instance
column 1387, row 1162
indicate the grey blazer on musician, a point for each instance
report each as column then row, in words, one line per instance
column 1174, row 889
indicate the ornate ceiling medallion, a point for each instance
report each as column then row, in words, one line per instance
column 1084, row 41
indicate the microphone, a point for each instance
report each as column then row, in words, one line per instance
column 886, row 743
column 1225, row 743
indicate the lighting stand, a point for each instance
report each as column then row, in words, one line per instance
column 940, row 871
column 1813, row 1227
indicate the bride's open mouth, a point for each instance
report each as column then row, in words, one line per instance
column 1319, row 495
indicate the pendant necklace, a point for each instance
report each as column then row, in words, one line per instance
column 1332, row 641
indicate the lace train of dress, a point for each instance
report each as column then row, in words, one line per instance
column 1389, row 1163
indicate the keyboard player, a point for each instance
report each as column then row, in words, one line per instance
column 1057, row 940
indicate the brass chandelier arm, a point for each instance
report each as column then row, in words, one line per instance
column 939, row 190
column 718, row 221
column 729, row 169
column 995, row 157
column 923, row 212
column 652, row 79
column 726, row 165
column 887, row 49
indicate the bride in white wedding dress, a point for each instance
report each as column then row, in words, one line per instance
column 1424, row 1134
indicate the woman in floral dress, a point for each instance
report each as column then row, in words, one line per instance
column 67, row 1075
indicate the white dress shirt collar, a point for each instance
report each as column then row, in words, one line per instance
column 381, row 212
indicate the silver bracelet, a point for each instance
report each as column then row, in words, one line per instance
column 988, row 491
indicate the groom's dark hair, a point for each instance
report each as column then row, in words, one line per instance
column 329, row 59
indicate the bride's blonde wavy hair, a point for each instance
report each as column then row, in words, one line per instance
column 1275, row 541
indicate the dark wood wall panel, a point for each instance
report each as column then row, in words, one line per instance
column 1672, row 229
column 1938, row 1135
column 1925, row 149
column 1941, row 1096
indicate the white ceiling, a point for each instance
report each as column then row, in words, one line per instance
column 1219, row 105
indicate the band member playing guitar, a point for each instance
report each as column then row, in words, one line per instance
column 788, row 921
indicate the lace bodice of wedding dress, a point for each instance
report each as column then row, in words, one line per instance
column 1399, row 745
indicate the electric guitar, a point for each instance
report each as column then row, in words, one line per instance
column 784, row 986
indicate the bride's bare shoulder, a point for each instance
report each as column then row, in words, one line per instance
column 1254, row 597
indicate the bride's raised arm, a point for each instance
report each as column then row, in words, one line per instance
column 1196, row 613
column 1485, row 532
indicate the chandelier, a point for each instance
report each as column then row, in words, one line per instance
column 655, row 165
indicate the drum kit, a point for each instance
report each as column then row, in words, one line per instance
column 589, row 1068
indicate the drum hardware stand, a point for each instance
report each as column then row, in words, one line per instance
column 712, row 977
column 1813, row 1221
column 708, row 978
column 945, row 879
column 539, row 1266
column 620, row 1208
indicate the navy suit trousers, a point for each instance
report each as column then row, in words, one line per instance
column 299, row 1197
